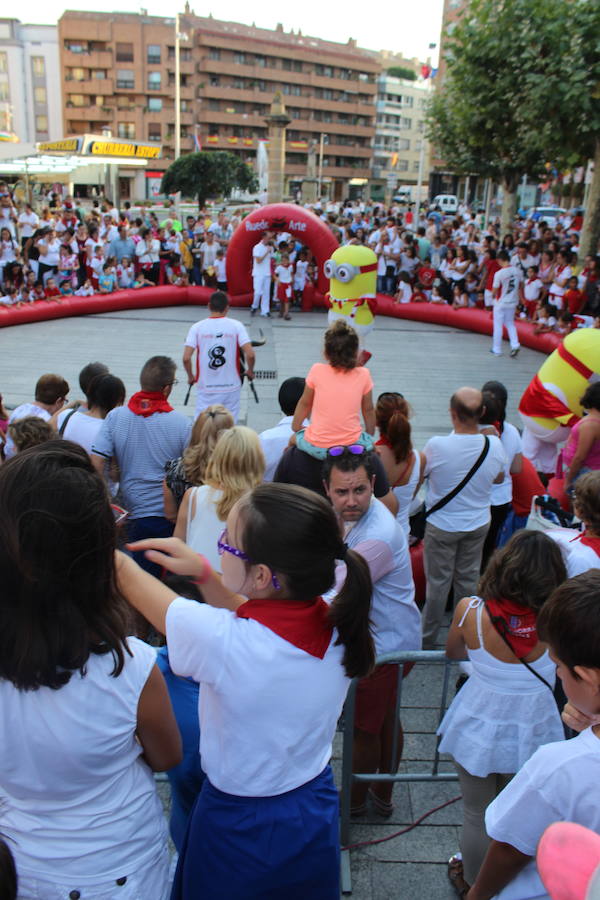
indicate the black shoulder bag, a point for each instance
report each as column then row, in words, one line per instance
column 476, row 465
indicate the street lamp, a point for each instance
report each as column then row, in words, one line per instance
column 179, row 36
column 324, row 139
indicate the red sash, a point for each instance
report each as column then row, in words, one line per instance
column 146, row 403
column 303, row 624
column 538, row 401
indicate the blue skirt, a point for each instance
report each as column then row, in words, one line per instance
column 262, row 848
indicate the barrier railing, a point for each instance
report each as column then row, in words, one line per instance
column 348, row 776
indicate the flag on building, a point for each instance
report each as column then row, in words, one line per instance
column 197, row 143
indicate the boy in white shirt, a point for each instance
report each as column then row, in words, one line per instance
column 221, row 270
column 531, row 291
column 561, row 781
column 283, row 285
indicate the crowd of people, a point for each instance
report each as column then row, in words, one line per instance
column 277, row 566
column 422, row 256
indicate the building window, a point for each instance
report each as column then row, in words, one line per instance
column 286, row 64
column 214, row 104
column 240, row 58
column 186, row 106
column 260, row 61
column 124, row 52
column 40, row 95
column 214, row 53
column 76, row 74
column 98, row 74
column 154, row 81
column 402, row 165
column 154, row 104
column 325, row 71
column 76, row 47
column 41, row 123
column 38, row 66
column 405, row 123
column 154, row 131
column 403, row 144
column 153, row 54
column 99, row 100
column 125, row 79
column 293, row 89
column 416, row 165
column 4, row 91
column 126, row 130
column 76, row 100
column 3, row 62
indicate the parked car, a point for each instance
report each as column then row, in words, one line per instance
column 548, row 214
column 448, row 203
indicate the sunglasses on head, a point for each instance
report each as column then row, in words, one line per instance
column 355, row 449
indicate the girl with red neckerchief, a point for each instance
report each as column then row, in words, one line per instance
column 274, row 662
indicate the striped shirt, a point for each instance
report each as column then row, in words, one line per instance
column 141, row 447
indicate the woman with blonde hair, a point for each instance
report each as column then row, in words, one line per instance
column 237, row 465
column 188, row 470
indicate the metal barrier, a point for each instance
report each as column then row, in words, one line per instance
column 408, row 656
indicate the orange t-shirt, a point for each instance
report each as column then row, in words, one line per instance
column 335, row 416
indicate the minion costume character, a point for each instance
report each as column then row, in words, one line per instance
column 550, row 405
column 352, row 273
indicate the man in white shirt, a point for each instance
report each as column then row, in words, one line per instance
column 217, row 342
column 371, row 530
column 505, row 289
column 261, row 274
column 275, row 440
column 50, row 396
column 455, row 533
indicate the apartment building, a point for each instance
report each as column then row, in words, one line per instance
column 400, row 148
column 30, row 100
column 118, row 73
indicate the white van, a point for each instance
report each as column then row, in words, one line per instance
column 448, row 203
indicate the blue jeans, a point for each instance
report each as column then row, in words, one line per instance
column 148, row 527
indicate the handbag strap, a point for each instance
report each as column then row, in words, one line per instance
column 476, row 465
column 500, row 626
column 63, row 425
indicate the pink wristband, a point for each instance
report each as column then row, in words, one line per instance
column 206, row 571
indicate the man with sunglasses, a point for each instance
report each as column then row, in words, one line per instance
column 297, row 467
column 370, row 529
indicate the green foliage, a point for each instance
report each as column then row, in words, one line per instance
column 402, row 72
column 212, row 173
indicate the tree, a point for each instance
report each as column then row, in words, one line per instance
column 506, row 102
column 212, row 173
column 402, row 72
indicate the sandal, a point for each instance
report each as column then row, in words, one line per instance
column 383, row 808
column 287, row 318
column 456, row 875
column 358, row 811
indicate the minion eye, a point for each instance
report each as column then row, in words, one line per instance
column 329, row 269
column 345, row 273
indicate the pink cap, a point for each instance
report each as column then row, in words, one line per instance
column 568, row 860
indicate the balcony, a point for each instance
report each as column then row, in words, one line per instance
column 97, row 59
column 83, row 113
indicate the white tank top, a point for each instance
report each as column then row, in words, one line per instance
column 405, row 492
column 204, row 527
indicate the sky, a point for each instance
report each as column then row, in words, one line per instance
column 404, row 27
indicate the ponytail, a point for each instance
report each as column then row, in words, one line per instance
column 398, row 434
column 349, row 614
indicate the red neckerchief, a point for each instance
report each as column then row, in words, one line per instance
column 588, row 541
column 146, row 403
column 303, row 624
column 516, row 623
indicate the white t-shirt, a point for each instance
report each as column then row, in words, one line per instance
column 508, row 280
column 80, row 428
column 263, row 267
column 284, row 273
column 273, row 442
column 217, row 341
column 268, row 710
column 578, row 557
column 221, row 269
column 78, row 802
column 562, row 275
column 28, row 222
column 209, row 253
column 511, row 441
column 405, row 292
column 532, row 288
column 448, row 459
column 559, row 783
column 22, row 412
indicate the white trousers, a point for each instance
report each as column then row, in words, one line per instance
column 504, row 316
column 229, row 399
column 262, row 293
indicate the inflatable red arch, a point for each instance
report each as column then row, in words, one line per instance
column 302, row 224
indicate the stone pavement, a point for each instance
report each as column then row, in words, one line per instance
column 424, row 362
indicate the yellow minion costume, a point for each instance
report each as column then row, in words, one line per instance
column 550, row 405
column 352, row 273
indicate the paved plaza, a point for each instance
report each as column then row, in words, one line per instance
column 426, row 363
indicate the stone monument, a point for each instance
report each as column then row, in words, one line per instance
column 277, row 120
column 310, row 182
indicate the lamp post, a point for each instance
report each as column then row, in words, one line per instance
column 322, row 141
column 177, row 90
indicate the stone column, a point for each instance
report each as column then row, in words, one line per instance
column 277, row 120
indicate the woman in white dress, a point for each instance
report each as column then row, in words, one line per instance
column 506, row 709
column 237, row 465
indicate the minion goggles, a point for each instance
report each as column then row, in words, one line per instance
column 345, row 272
